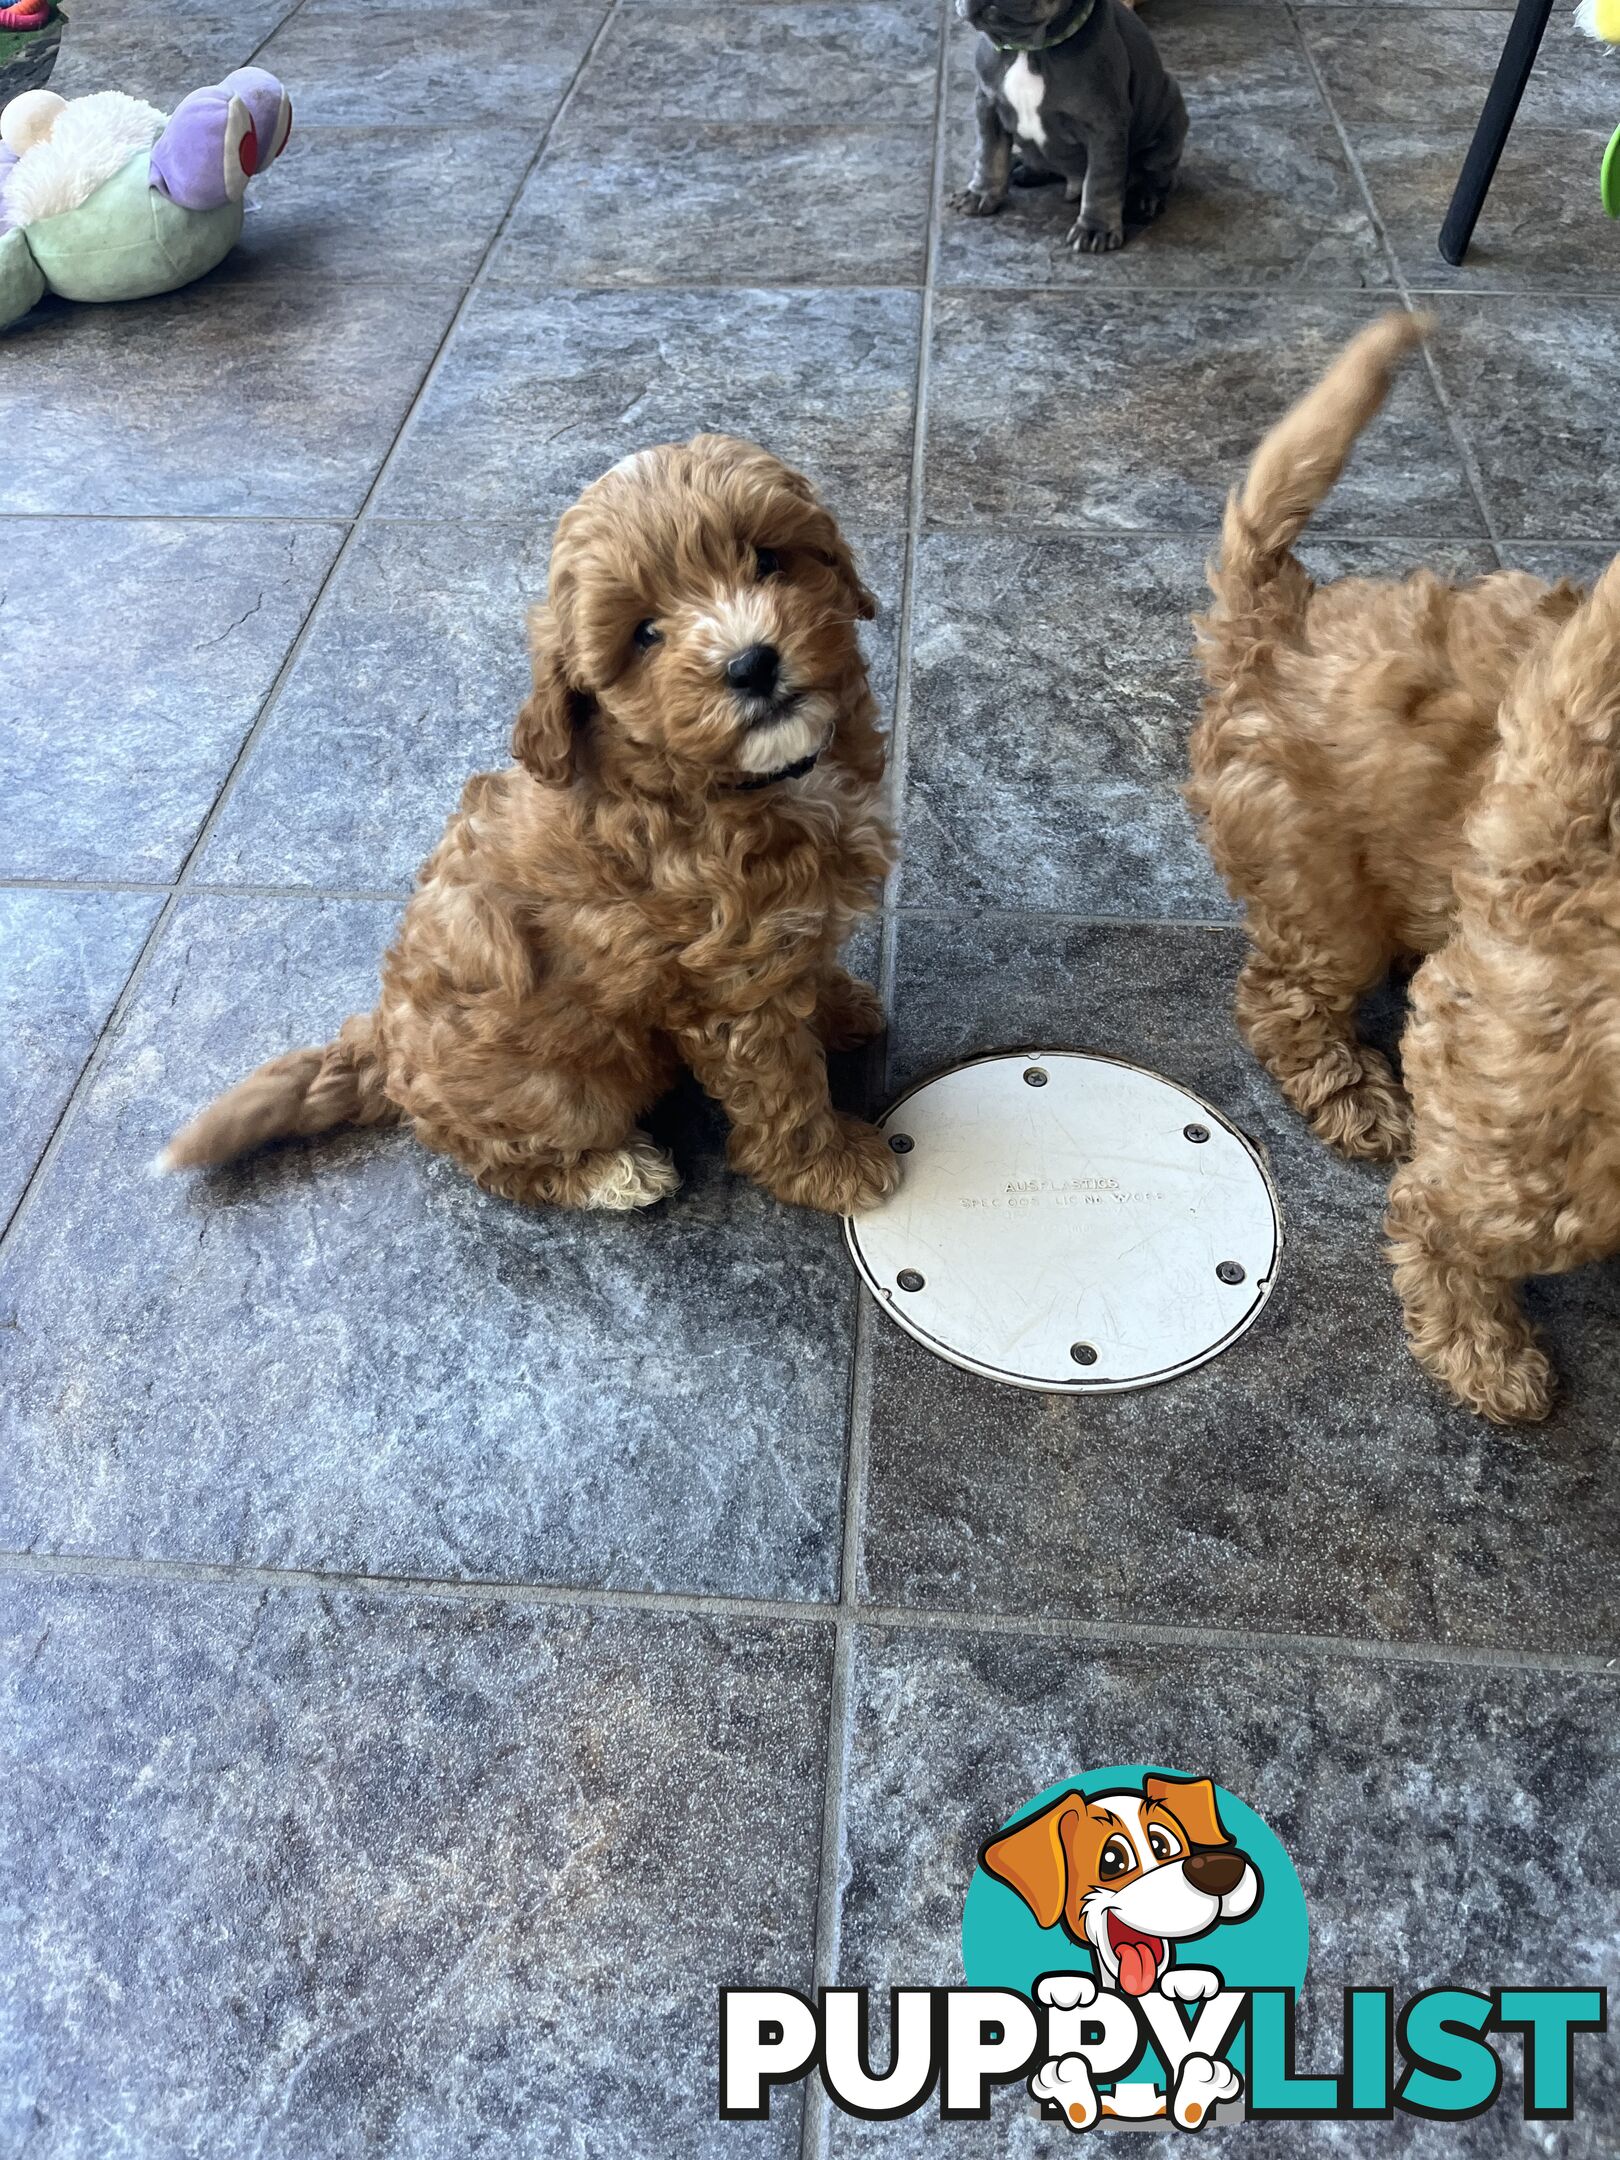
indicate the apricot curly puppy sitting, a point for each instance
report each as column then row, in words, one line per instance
column 1348, row 735
column 666, row 876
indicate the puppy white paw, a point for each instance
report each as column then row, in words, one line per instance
column 1066, row 1991
column 636, row 1175
column 1190, row 1983
column 1067, row 2084
column 1202, row 2083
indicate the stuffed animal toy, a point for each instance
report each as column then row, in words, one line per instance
column 105, row 199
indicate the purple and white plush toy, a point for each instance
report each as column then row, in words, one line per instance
column 102, row 198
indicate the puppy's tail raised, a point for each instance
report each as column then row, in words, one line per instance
column 308, row 1091
column 1259, row 588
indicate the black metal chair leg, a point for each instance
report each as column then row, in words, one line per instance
column 1490, row 137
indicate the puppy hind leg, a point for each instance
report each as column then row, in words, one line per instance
column 634, row 1173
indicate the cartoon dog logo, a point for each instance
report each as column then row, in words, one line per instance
column 1129, row 1876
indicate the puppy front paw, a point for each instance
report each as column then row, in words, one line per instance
column 1088, row 237
column 977, row 201
column 856, row 1172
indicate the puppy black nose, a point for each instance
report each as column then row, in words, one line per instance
column 755, row 670
column 1215, row 1873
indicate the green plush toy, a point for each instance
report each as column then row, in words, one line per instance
column 104, row 198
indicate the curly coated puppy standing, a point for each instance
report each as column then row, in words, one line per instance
column 1513, row 1049
column 665, row 876
column 1077, row 88
column 1339, row 769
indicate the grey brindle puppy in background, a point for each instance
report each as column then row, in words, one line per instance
column 1078, row 87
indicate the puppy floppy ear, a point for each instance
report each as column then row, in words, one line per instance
column 543, row 736
column 837, row 552
column 1031, row 1859
column 818, row 531
column 1192, row 1802
column 822, row 537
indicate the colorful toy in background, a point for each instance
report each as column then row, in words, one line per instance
column 103, row 198
column 1600, row 19
column 30, row 38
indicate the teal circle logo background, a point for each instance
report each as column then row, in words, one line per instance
column 1002, row 1945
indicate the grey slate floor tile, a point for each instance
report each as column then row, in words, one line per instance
column 424, row 206
column 64, row 957
column 540, row 395
column 679, row 202
column 1530, row 383
column 233, row 397
column 1431, row 68
column 1389, row 1785
column 118, row 737
column 344, row 1356
column 1311, row 1480
column 160, row 56
column 1541, row 229
column 302, row 1875
column 459, row 67
column 1092, row 414
column 867, row 64
column 408, row 682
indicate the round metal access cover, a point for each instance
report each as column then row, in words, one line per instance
column 1071, row 1222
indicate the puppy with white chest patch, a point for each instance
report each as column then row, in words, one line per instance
column 1077, row 89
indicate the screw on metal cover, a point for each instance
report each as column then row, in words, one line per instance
column 909, row 1279
column 1229, row 1271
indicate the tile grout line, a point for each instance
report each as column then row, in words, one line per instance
column 720, row 1606
column 1459, row 437
column 900, row 733
column 827, row 1916
column 354, row 527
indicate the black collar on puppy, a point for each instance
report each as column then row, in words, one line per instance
column 795, row 771
column 1076, row 21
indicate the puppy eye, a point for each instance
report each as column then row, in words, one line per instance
column 645, row 634
column 767, row 563
column 1117, row 1859
column 1162, row 1845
